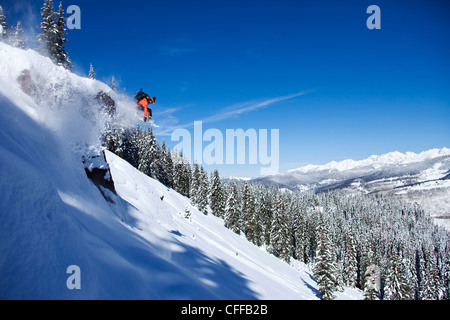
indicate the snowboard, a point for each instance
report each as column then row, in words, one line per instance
column 139, row 119
column 148, row 123
column 152, row 123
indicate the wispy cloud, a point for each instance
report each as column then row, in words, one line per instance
column 235, row 110
column 174, row 51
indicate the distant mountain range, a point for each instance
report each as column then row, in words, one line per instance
column 423, row 178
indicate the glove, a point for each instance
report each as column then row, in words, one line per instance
column 145, row 119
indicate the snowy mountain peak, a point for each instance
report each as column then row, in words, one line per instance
column 388, row 159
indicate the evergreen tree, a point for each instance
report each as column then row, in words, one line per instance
column 180, row 175
column 166, row 166
column 58, row 52
column 113, row 84
column 419, row 263
column 217, row 196
column 324, row 268
column 114, row 141
column 432, row 281
column 91, row 72
column 265, row 216
column 232, row 210
column 4, row 30
column 248, row 213
column 185, row 177
column 144, row 145
column 129, row 147
column 48, row 26
column 68, row 65
column 202, row 196
column 19, row 40
column 258, row 234
column 154, row 155
column 397, row 282
column 446, row 272
column 280, row 233
column 194, row 187
column 372, row 279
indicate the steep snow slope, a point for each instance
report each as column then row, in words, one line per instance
column 139, row 247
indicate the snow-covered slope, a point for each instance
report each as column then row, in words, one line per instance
column 136, row 247
column 422, row 178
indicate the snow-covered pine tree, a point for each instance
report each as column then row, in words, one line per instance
column 181, row 174
column 432, row 281
column 372, row 279
column 232, row 210
column 58, row 52
column 144, row 145
column 129, row 147
column 91, row 72
column 19, row 40
column 113, row 84
column 265, row 217
column 397, row 283
column 154, row 155
column 446, row 272
column 159, row 165
column 185, row 176
column 114, row 141
column 177, row 173
column 202, row 199
column 324, row 267
column 217, row 196
column 281, row 233
column 68, row 64
column 300, row 234
column 258, row 235
column 350, row 264
column 169, row 164
column 419, row 264
column 248, row 213
column 194, row 187
column 4, row 30
column 166, row 166
column 46, row 38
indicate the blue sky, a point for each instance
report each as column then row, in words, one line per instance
column 312, row 69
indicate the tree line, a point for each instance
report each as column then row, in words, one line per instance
column 390, row 249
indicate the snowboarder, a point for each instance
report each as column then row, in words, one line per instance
column 143, row 100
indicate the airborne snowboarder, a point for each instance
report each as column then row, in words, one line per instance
column 143, row 100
